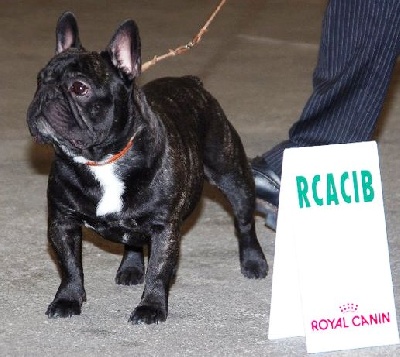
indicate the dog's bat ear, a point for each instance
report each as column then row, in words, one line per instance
column 67, row 33
column 125, row 49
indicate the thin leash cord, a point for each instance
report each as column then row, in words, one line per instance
column 181, row 49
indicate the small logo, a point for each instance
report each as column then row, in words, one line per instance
column 348, row 308
column 350, row 317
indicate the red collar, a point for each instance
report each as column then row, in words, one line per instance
column 113, row 158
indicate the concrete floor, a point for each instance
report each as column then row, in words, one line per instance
column 257, row 59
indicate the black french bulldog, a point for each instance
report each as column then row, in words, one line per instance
column 130, row 164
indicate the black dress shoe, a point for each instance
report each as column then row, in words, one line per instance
column 267, row 191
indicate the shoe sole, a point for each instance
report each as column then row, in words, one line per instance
column 270, row 211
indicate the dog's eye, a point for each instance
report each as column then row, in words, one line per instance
column 78, row 88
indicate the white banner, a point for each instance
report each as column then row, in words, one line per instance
column 331, row 279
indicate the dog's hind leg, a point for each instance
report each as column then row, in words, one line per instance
column 131, row 269
column 226, row 167
column 252, row 259
column 240, row 194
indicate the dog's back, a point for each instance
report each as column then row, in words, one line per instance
column 184, row 104
column 181, row 99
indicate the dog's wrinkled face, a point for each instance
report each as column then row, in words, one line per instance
column 82, row 101
column 74, row 102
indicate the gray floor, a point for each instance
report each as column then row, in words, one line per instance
column 257, row 59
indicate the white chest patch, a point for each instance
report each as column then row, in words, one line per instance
column 113, row 189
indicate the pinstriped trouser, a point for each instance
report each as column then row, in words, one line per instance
column 360, row 42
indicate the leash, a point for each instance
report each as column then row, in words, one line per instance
column 181, row 49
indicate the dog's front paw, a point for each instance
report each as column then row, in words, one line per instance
column 63, row 308
column 130, row 276
column 147, row 315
